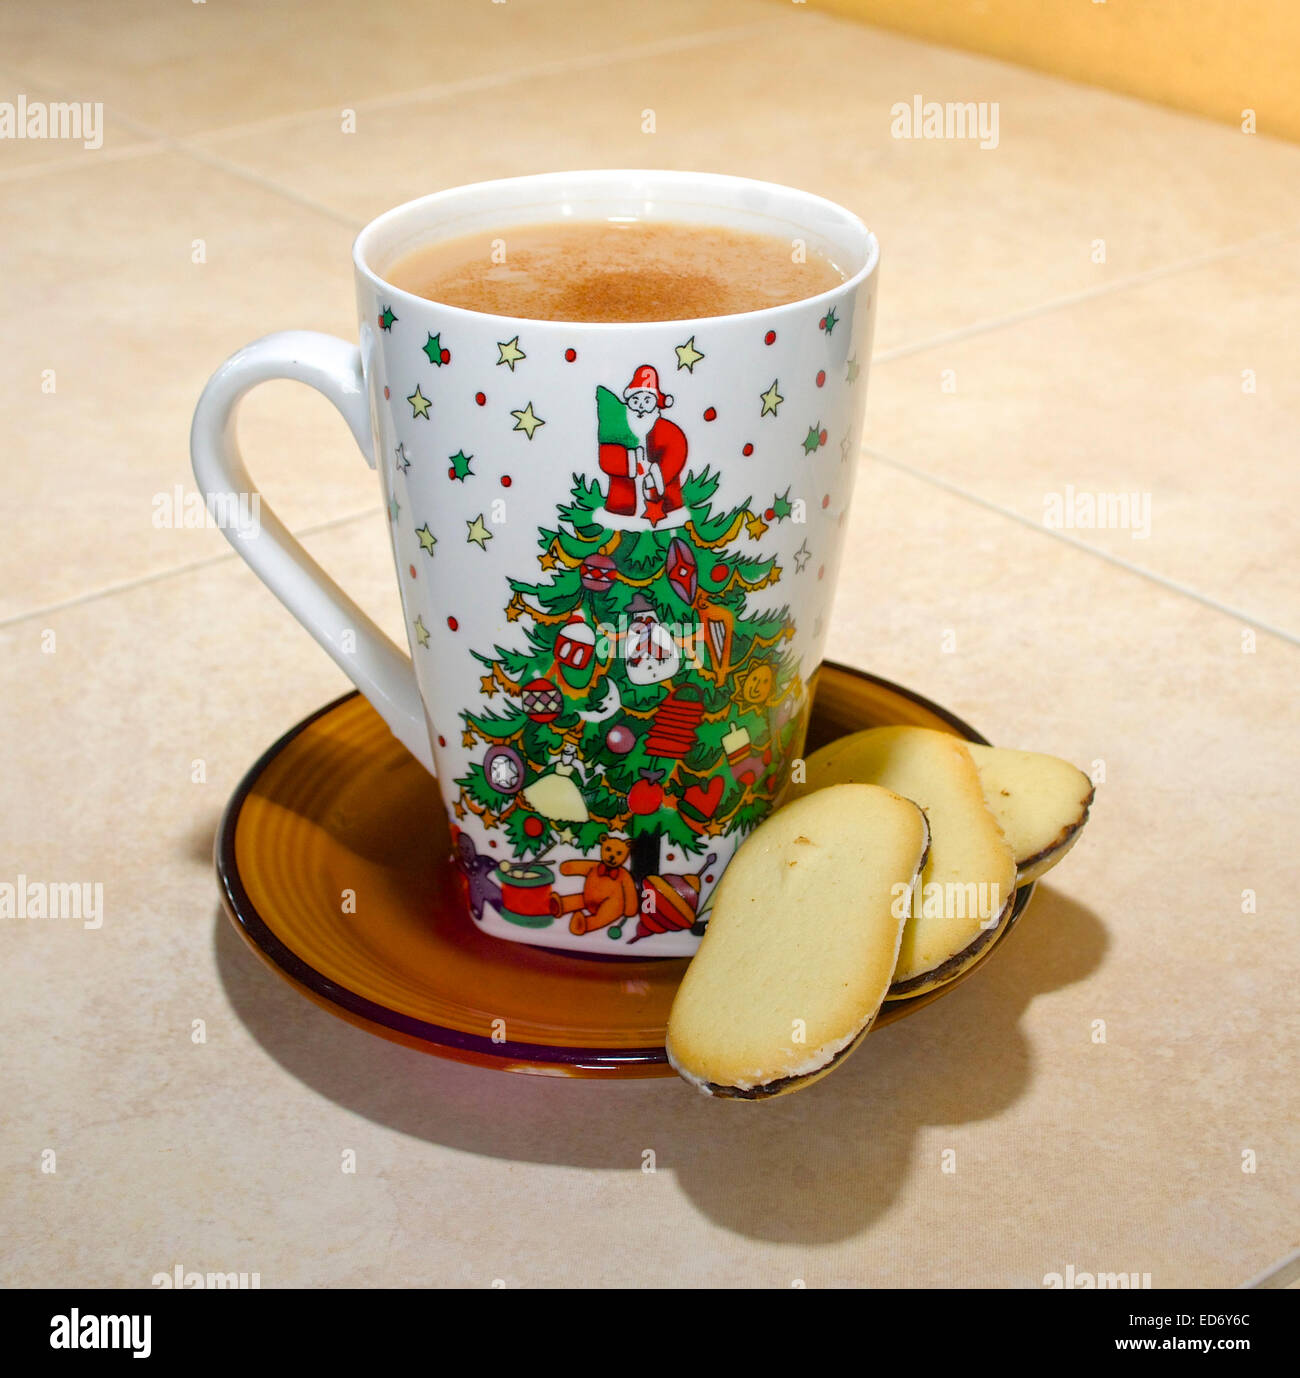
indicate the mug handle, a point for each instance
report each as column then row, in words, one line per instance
column 382, row 672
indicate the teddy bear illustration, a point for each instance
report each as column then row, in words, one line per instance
column 608, row 892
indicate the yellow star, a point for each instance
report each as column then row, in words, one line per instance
column 479, row 535
column 547, row 561
column 421, row 631
column 459, row 809
column 488, row 684
column 510, row 353
column 467, row 738
column 513, row 612
column 426, row 538
column 688, row 356
column 488, row 818
column 771, row 399
column 526, row 421
column 756, row 526
column 420, row 404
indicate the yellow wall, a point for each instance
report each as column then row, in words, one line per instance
column 1213, row 57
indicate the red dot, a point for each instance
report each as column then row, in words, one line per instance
column 445, row 356
column 492, row 842
column 709, row 879
column 770, row 337
column 442, row 741
column 821, row 439
column 768, row 515
column 506, row 480
column 826, row 502
column 412, row 569
column 711, row 414
column 453, row 624
column 821, row 573
column 821, row 378
column 821, row 324
column 481, row 399
column 718, row 572
column 570, row 355
column 748, row 450
column 670, row 857
column 451, row 473
column 387, row 394
column 533, row 827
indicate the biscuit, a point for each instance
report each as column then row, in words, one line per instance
column 1041, row 804
column 801, row 944
column 968, row 886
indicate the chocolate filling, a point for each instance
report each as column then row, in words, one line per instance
column 1063, row 837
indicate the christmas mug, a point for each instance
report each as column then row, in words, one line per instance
column 616, row 546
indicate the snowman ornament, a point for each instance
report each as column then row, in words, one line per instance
column 651, row 653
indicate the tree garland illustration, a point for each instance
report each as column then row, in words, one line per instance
column 701, row 752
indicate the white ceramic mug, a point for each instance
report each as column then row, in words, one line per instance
column 615, row 544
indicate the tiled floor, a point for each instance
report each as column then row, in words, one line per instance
column 1011, row 366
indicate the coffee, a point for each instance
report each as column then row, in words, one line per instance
column 610, row 270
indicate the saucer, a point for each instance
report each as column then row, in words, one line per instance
column 333, row 857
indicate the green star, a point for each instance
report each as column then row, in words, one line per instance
column 394, row 510
column 854, row 368
column 386, row 318
column 688, row 356
column 460, row 466
column 510, row 353
column 479, row 535
column 526, row 421
column 420, row 404
column 421, row 631
column 433, row 348
column 426, row 537
column 831, row 320
column 812, row 439
column 771, row 399
column 781, row 506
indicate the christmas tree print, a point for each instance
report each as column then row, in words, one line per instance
column 644, row 696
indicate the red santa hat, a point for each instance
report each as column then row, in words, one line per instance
column 647, row 377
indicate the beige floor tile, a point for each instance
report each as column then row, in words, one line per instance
column 1181, row 393
column 1120, row 1156
column 102, row 290
column 968, row 234
column 187, row 67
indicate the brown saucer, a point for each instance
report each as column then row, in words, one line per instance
column 338, row 805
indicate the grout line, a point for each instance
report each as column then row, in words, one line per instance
column 1277, row 1275
column 1172, row 585
column 1124, row 284
column 488, row 81
column 108, row 155
column 156, row 140
column 267, row 184
column 158, row 575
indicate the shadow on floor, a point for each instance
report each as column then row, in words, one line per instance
column 810, row 1168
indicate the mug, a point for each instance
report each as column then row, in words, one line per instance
column 615, row 545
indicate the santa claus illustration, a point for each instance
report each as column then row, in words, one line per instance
column 645, row 478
